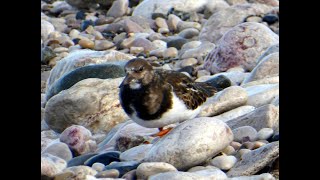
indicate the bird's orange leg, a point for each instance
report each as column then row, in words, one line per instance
column 163, row 132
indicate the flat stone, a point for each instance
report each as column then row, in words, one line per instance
column 263, row 94
column 235, row 77
column 147, row 169
column 79, row 160
column 234, row 113
column 104, row 158
column 101, row 71
column 177, row 176
column 255, row 160
column 123, row 167
column 228, row 99
column 266, row 116
column 269, row 80
column 81, row 58
column 264, row 176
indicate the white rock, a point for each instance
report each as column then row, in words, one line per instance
column 263, row 94
column 264, row 176
column 212, row 173
column 235, row 77
column 46, row 29
column 234, row 113
column 245, row 131
column 224, row 162
column 147, row 7
column 191, row 143
column 147, row 169
column 136, row 153
column 178, row 176
column 52, row 165
column 227, row 99
column 265, row 133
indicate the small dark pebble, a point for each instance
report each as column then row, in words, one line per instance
column 177, row 43
column 274, row 138
column 80, row 15
column 108, row 35
column 85, row 24
column 131, row 175
column 156, row 15
column 188, row 69
column 76, row 41
column 123, row 167
column 79, row 160
column 270, row 18
column 104, row 158
column 182, row 15
column 220, row 82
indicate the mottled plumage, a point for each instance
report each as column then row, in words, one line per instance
column 156, row 98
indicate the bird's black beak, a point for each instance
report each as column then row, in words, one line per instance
column 125, row 81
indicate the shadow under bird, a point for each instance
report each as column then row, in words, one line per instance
column 155, row 98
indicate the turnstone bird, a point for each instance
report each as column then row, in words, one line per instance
column 155, row 98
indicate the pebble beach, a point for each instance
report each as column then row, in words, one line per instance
column 85, row 133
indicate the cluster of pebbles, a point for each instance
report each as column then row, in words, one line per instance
column 233, row 44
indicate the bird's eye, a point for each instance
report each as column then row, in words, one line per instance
column 140, row 69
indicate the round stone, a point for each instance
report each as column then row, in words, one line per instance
column 245, row 132
column 146, row 169
column 224, row 162
column 98, row 166
column 85, row 43
column 229, row 150
column 265, row 133
column 112, row 173
column 170, row 52
column 235, row 145
column 188, row 62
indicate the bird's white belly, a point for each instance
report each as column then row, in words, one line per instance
column 178, row 113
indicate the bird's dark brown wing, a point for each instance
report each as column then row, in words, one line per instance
column 192, row 93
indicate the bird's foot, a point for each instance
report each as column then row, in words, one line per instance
column 162, row 132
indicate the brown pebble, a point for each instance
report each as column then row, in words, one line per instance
column 235, row 145
column 85, row 43
column 111, row 173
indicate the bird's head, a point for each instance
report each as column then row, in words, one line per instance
column 139, row 72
